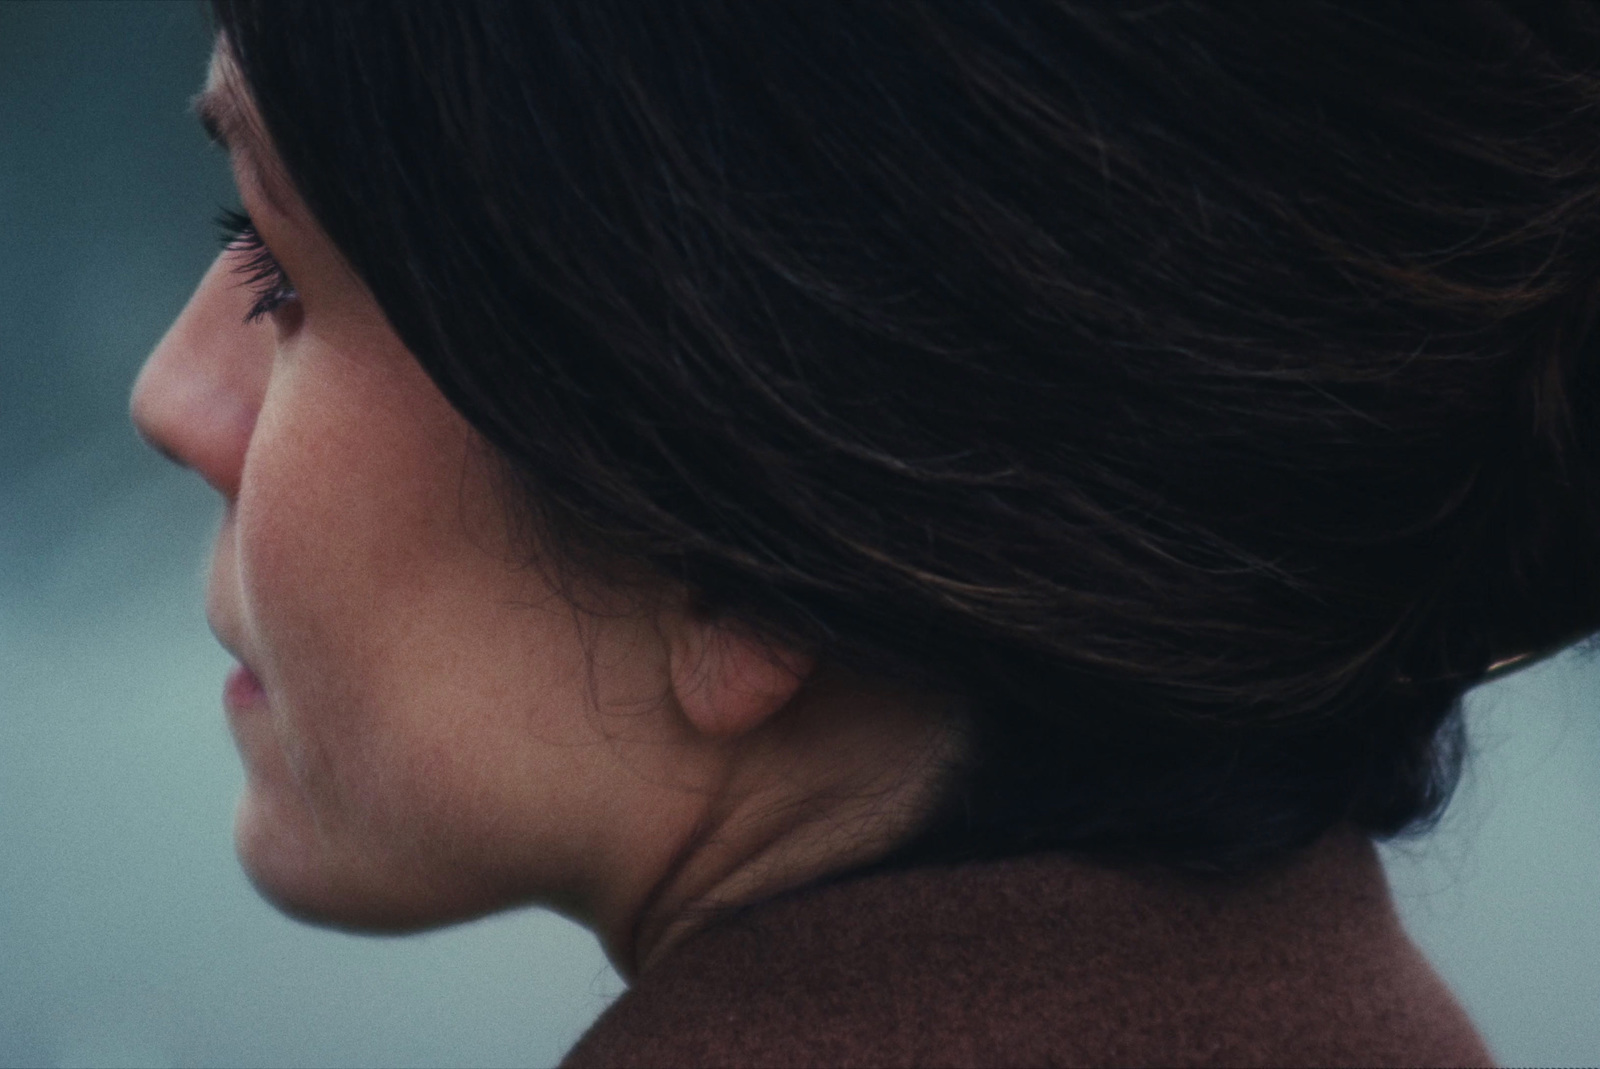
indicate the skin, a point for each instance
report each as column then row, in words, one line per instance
column 429, row 730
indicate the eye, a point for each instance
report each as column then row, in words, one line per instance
column 260, row 270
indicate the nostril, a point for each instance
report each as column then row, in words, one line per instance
column 195, row 419
column 166, row 452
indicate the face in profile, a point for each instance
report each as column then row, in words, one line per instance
column 431, row 726
column 415, row 708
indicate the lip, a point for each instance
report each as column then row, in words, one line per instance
column 243, row 691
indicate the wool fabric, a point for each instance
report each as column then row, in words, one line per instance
column 1047, row 960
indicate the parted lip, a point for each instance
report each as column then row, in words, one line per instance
column 221, row 617
column 224, row 636
column 242, row 690
column 239, row 659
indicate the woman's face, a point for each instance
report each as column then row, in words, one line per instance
column 427, row 729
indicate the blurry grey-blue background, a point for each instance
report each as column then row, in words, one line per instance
column 128, row 935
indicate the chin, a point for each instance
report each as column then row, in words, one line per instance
column 303, row 872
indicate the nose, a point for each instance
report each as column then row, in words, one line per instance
column 198, row 395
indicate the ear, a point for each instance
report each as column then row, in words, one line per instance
column 728, row 681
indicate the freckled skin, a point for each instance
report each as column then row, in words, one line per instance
column 425, row 686
column 438, row 733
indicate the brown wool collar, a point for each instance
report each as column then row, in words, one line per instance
column 1046, row 960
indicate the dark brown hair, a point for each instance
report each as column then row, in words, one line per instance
column 1207, row 394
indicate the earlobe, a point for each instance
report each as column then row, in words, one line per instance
column 728, row 681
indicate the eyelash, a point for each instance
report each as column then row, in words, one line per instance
column 261, row 271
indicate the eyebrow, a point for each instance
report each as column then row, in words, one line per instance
column 219, row 115
column 228, row 124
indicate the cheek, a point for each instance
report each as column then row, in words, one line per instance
column 345, row 572
column 428, row 697
column 436, row 740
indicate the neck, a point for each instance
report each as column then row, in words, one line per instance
column 839, row 780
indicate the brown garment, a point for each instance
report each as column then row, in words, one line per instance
column 1049, row 961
